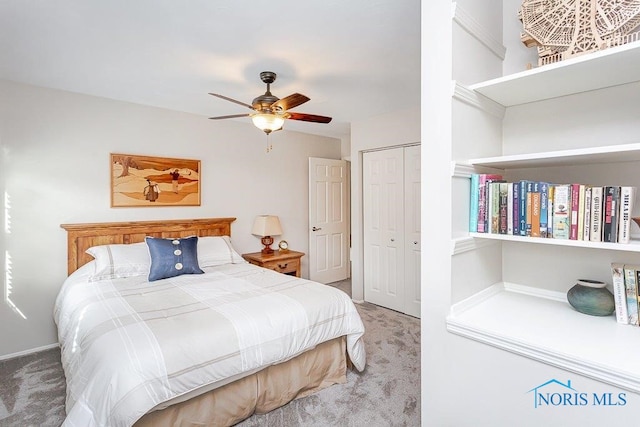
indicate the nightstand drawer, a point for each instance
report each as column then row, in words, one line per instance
column 283, row 262
column 288, row 266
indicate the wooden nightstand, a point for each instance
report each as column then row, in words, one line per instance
column 283, row 262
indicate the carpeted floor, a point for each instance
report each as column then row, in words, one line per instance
column 387, row 393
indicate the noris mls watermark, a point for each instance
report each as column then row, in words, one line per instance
column 556, row 393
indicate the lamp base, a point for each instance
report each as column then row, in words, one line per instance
column 267, row 241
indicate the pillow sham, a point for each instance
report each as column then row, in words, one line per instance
column 172, row 257
column 119, row 260
column 217, row 250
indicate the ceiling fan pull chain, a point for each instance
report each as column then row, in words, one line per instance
column 269, row 146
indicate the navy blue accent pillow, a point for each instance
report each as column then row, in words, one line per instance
column 173, row 257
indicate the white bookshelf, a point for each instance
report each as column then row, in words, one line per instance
column 633, row 246
column 582, row 156
column 543, row 326
column 610, row 67
column 530, row 321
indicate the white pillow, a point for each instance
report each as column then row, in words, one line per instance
column 117, row 261
column 217, row 250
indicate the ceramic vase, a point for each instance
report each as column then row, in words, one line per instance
column 591, row 297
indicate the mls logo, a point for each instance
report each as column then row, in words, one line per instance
column 556, row 393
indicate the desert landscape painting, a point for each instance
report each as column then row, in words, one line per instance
column 138, row 181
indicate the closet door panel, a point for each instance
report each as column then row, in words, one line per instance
column 383, row 203
column 412, row 184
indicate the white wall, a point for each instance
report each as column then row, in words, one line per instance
column 55, row 169
column 393, row 129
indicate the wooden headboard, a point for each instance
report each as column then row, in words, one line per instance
column 81, row 237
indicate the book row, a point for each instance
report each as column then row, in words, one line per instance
column 626, row 278
column 542, row 209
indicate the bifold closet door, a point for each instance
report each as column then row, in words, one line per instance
column 383, row 207
column 391, row 206
column 412, row 206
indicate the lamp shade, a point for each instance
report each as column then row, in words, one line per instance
column 266, row 225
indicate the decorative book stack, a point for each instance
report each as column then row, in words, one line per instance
column 626, row 278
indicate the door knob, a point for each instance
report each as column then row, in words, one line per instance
column 393, row 240
column 316, row 228
column 415, row 242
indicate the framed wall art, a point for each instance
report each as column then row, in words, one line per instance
column 138, row 181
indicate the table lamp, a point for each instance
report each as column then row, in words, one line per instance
column 266, row 226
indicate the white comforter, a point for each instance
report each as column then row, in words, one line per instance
column 129, row 345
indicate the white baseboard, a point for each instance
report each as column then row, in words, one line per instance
column 30, row 351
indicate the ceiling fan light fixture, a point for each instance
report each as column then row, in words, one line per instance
column 268, row 111
column 267, row 122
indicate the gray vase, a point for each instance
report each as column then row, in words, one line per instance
column 591, row 297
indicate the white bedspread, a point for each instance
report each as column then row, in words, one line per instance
column 128, row 345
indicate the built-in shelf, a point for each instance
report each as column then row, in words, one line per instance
column 582, row 156
column 610, row 67
column 531, row 321
column 633, row 246
column 543, row 326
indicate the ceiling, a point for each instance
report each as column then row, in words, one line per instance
column 354, row 59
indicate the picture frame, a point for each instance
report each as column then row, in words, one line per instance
column 146, row 181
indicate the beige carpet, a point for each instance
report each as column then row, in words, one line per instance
column 387, row 393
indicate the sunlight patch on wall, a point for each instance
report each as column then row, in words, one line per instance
column 7, row 285
column 7, row 259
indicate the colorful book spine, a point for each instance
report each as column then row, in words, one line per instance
column 474, row 201
column 615, row 214
column 627, row 199
column 561, row 211
column 619, row 293
column 516, row 208
column 544, row 208
column 630, row 282
column 535, row 210
column 522, row 209
column 503, row 201
column 494, row 201
column 550, row 211
column 529, row 207
column 587, row 213
column 575, row 206
column 596, row 214
column 510, row 208
column 637, row 296
column 581, row 202
column 490, row 206
column 610, row 223
column 482, row 203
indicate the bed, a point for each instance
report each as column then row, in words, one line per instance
column 162, row 323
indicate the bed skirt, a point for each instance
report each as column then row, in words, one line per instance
column 260, row 392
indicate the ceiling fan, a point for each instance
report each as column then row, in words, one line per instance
column 270, row 112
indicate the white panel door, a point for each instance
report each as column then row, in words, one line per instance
column 383, row 209
column 412, row 229
column 328, row 220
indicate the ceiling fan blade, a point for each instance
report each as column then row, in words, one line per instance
column 289, row 102
column 232, row 116
column 309, row 118
column 231, row 100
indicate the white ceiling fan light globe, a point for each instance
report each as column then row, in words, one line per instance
column 267, row 122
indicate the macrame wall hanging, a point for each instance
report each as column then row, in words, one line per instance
column 562, row 29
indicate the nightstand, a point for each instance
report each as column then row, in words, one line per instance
column 283, row 262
